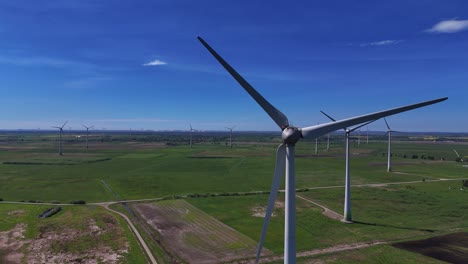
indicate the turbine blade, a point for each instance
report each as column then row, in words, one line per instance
column 386, row 123
column 280, row 119
column 56, row 127
column 329, row 117
column 85, row 126
column 365, row 124
column 319, row 130
column 279, row 172
column 65, row 123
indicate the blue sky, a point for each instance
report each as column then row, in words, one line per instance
column 138, row 64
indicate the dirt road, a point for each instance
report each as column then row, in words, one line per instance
column 140, row 239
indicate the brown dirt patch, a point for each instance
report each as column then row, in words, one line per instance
column 87, row 245
column 452, row 248
column 195, row 236
column 16, row 212
column 11, row 242
column 260, row 211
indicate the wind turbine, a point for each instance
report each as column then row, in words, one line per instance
column 230, row 135
column 347, row 202
column 328, row 142
column 285, row 153
column 60, row 139
column 191, row 130
column 359, row 138
column 367, row 129
column 87, row 132
column 389, row 132
column 316, row 146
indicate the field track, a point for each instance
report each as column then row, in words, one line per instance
column 137, row 234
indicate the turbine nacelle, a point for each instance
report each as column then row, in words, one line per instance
column 291, row 135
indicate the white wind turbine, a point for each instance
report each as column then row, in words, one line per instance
column 230, row 135
column 87, row 132
column 389, row 132
column 60, row 137
column 347, row 218
column 191, row 130
column 367, row 129
column 285, row 153
column 359, row 138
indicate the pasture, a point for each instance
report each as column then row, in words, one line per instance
column 213, row 180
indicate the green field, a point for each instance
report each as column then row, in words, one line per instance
column 32, row 171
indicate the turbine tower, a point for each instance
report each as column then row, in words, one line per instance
column 328, row 142
column 191, row 130
column 316, row 146
column 359, row 138
column 389, row 132
column 367, row 129
column 347, row 218
column 87, row 132
column 285, row 153
column 230, row 135
column 60, row 136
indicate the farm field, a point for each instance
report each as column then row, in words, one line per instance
column 228, row 188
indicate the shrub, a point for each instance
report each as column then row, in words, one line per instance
column 78, row 202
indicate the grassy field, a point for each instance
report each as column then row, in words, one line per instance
column 33, row 171
column 149, row 170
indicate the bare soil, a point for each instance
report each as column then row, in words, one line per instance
column 195, row 236
column 66, row 245
column 452, row 248
column 11, row 242
column 260, row 211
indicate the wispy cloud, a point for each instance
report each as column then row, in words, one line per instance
column 41, row 61
column 155, row 63
column 132, row 120
column 449, row 26
column 381, row 43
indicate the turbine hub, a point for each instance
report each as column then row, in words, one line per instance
column 291, row 135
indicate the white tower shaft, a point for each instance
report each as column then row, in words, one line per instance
column 290, row 209
column 389, row 164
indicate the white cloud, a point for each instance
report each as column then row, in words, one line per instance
column 155, row 63
column 449, row 26
column 381, row 43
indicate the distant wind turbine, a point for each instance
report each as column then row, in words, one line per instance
column 285, row 153
column 87, row 132
column 230, row 135
column 389, row 132
column 359, row 138
column 347, row 218
column 328, row 142
column 191, row 130
column 367, row 128
column 60, row 136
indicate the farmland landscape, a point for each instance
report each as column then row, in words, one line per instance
column 206, row 204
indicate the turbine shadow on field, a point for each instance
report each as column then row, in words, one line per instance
column 398, row 227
